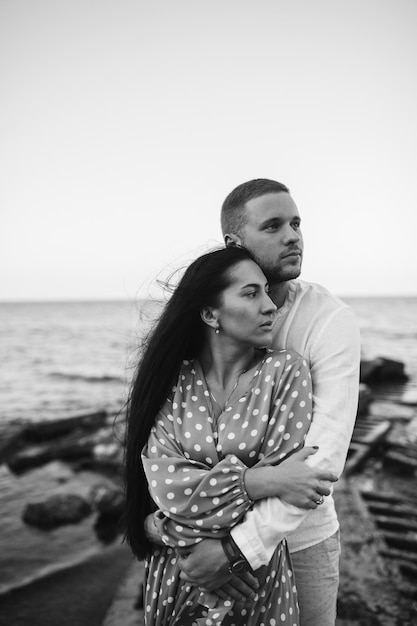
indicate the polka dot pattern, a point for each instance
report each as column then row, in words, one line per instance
column 184, row 605
column 195, row 465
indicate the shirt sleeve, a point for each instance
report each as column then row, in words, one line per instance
column 335, row 362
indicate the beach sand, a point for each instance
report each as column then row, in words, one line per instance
column 78, row 596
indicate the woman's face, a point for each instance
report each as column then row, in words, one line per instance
column 246, row 312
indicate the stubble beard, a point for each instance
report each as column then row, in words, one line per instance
column 276, row 274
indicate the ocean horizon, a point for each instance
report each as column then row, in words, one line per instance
column 66, row 357
column 53, row 300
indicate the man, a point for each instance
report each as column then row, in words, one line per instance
column 262, row 216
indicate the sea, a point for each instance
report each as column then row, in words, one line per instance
column 60, row 359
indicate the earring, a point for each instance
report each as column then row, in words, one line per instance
column 217, row 330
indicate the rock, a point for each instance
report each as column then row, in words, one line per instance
column 108, row 500
column 79, row 446
column 43, row 431
column 108, row 453
column 410, row 397
column 37, row 455
column 10, row 437
column 107, row 456
column 56, row 511
column 382, row 369
column 108, row 528
column 24, row 446
column 109, row 503
column 30, row 457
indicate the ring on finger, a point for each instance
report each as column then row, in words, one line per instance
column 320, row 500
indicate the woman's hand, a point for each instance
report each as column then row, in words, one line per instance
column 152, row 531
column 292, row 480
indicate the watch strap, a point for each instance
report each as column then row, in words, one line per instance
column 234, row 555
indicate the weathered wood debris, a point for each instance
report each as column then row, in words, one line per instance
column 381, row 473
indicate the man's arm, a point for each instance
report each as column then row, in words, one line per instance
column 334, row 361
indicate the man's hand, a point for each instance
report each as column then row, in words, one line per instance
column 205, row 565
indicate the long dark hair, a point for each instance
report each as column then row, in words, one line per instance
column 178, row 335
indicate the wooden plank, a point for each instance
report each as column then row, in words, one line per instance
column 392, row 509
column 402, row 541
column 363, row 446
column 399, row 555
column 395, row 523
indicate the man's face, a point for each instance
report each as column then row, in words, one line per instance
column 272, row 234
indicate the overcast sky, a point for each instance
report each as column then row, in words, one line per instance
column 125, row 123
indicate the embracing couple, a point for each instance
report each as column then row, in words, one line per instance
column 239, row 420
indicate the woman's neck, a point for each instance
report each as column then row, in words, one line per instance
column 227, row 373
column 222, row 366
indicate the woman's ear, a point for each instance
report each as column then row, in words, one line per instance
column 209, row 315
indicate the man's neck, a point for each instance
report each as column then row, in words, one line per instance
column 278, row 293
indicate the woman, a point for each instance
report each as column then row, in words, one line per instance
column 209, row 408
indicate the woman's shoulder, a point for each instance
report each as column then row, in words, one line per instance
column 189, row 367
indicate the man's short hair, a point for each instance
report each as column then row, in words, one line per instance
column 233, row 216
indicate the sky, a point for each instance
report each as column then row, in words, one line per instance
column 125, row 123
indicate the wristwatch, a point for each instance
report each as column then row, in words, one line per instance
column 237, row 562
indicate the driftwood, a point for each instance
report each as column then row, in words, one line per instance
column 402, row 461
column 409, row 569
column 392, row 509
column 364, row 442
column 402, row 541
column 385, row 496
column 395, row 523
column 399, row 555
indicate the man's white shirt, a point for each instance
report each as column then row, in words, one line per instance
column 323, row 329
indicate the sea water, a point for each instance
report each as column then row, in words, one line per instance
column 63, row 358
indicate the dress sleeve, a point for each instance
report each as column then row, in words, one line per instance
column 195, row 500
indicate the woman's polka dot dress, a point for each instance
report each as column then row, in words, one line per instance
column 195, row 465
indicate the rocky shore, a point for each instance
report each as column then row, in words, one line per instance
column 376, row 499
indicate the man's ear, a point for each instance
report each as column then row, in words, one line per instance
column 230, row 240
column 210, row 316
